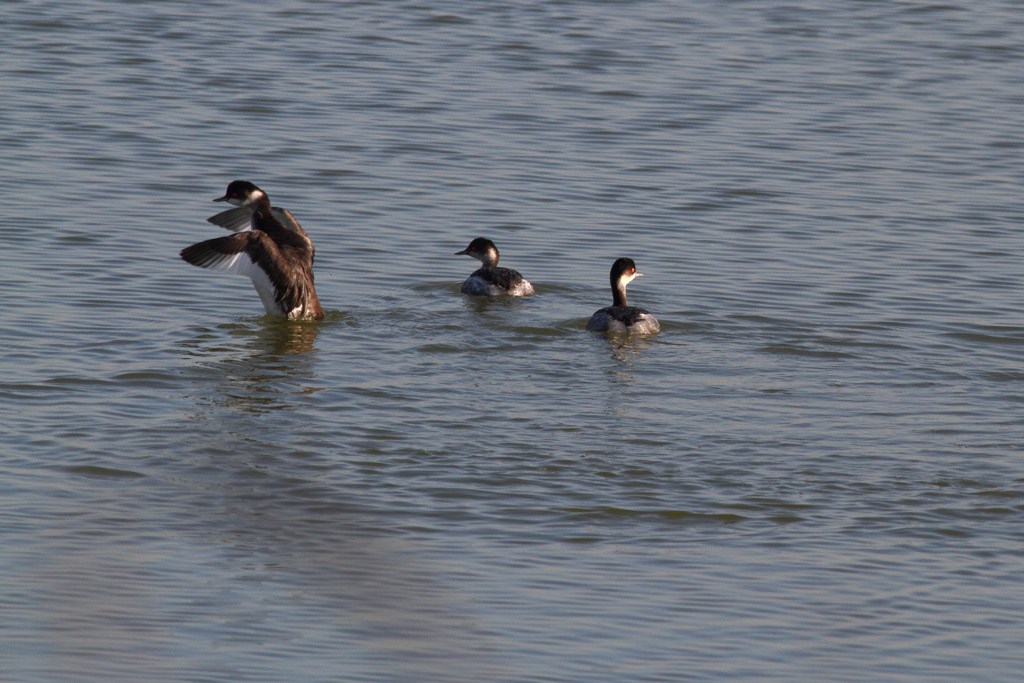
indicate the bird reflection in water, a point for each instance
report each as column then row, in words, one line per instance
column 627, row 350
column 260, row 367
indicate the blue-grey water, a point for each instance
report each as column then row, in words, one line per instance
column 814, row 472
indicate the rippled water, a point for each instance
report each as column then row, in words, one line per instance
column 813, row 472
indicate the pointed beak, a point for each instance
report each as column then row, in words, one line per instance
column 638, row 274
column 221, row 199
column 464, row 251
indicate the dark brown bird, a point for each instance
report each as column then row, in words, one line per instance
column 269, row 246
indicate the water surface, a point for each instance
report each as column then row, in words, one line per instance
column 813, row 472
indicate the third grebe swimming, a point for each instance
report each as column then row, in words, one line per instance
column 273, row 251
column 490, row 280
column 620, row 317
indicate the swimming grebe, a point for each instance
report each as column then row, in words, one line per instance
column 490, row 280
column 620, row 317
column 272, row 250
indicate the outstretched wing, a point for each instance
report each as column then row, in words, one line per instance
column 237, row 219
column 228, row 254
column 253, row 254
column 287, row 219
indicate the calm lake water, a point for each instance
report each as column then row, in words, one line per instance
column 814, row 472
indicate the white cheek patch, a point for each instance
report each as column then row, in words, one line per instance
column 255, row 197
